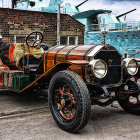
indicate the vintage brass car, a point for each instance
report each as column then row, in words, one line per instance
column 76, row 77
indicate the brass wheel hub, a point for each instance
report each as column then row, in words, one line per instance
column 65, row 103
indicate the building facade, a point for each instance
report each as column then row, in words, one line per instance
column 15, row 25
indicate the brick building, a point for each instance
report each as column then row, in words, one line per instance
column 16, row 24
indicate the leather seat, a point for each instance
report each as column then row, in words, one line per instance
column 45, row 46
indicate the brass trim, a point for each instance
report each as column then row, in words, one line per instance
column 93, row 63
column 126, row 62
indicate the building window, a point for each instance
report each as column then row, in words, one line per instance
column 63, row 40
column 21, row 38
column 69, row 40
column 72, row 40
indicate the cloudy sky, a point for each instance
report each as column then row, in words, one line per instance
column 117, row 6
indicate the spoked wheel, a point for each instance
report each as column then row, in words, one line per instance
column 130, row 103
column 69, row 101
column 65, row 102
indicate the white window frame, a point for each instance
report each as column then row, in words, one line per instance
column 68, row 40
column 16, row 36
column 76, row 40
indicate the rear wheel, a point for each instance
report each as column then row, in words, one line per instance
column 69, row 101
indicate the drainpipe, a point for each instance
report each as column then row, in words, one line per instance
column 58, row 24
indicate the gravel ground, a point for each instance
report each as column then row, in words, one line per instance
column 27, row 117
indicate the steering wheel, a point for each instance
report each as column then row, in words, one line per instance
column 34, row 39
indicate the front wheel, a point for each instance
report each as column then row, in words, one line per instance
column 130, row 102
column 69, row 101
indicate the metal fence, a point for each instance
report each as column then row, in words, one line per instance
column 132, row 53
column 113, row 26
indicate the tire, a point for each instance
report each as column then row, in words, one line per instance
column 76, row 96
column 129, row 107
column 130, row 102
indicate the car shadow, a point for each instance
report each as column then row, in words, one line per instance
column 19, row 100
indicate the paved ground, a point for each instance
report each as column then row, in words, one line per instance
column 27, row 117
